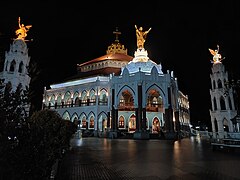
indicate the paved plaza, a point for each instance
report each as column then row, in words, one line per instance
column 186, row 159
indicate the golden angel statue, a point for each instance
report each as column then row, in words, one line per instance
column 216, row 56
column 22, row 31
column 141, row 36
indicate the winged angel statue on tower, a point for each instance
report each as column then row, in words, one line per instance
column 22, row 31
column 217, row 58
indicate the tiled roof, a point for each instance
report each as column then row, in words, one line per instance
column 116, row 56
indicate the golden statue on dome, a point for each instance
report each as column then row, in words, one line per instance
column 141, row 36
column 22, row 31
column 217, row 58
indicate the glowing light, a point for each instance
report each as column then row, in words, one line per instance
column 78, row 82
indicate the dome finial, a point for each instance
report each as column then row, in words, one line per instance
column 116, row 32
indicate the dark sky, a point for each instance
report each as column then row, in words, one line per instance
column 182, row 31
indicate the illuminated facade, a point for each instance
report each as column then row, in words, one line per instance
column 117, row 94
column 222, row 99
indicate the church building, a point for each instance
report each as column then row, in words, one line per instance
column 117, row 94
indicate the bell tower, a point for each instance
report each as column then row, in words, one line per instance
column 17, row 61
column 222, row 99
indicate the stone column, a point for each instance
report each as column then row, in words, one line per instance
column 144, row 121
column 140, row 107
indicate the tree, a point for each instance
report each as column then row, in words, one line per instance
column 49, row 138
column 29, row 146
column 13, row 127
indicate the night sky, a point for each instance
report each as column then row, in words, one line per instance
column 182, row 31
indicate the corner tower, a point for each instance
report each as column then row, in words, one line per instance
column 17, row 60
column 222, row 99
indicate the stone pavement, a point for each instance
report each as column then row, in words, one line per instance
column 115, row 159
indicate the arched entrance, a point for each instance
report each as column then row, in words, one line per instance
column 132, row 123
column 156, row 125
column 225, row 125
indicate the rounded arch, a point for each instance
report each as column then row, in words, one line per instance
column 66, row 115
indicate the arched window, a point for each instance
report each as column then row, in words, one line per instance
column 132, row 123
column 76, row 99
column 126, row 101
column 67, row 98
column 219, row 83
column 91, row 123
column 222, row 103
column 66, row 115
column 12, row 66
column 84, row 122
column 121, row 122
column 154, row 101
column 92, row 97
column 84, row 98
column 20, row 68
column 103, row 97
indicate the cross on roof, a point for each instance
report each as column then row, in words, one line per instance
column 116, row 32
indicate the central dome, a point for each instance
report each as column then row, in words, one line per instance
column 141, row 62
column 146, row 67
